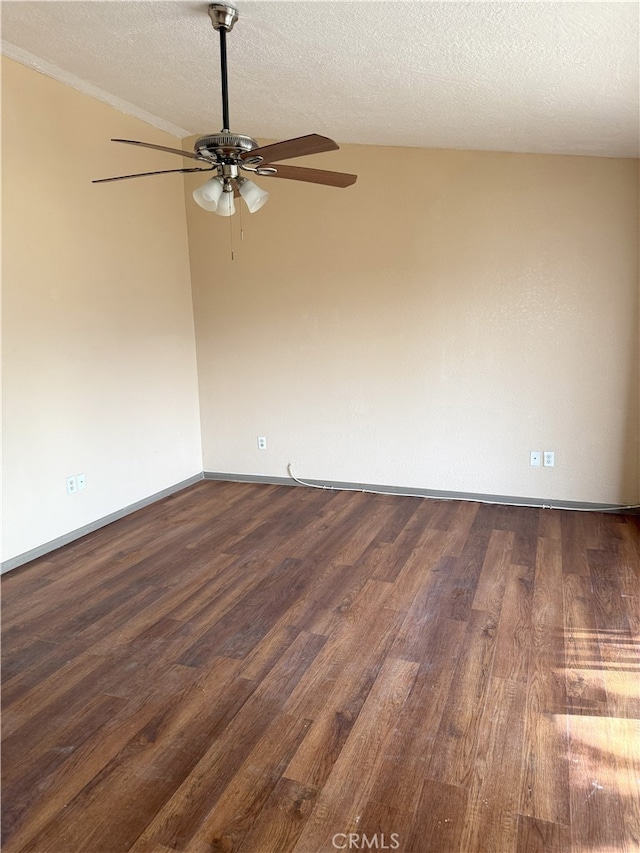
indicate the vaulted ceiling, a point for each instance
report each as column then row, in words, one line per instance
column 556, row 77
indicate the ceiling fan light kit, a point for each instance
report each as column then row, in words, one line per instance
column 226, row 205
column 253, row 196
column 228, row 154
column 208, row 195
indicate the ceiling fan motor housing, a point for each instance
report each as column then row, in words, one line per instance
column 219, row 147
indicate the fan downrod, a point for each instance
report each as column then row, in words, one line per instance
column 223, row 18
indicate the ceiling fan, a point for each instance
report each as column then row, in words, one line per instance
column 229, row 154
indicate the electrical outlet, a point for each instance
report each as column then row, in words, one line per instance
column 534, row 458
column 262, row 442
column 81, row 481
column 549, row 458
column 72, row 486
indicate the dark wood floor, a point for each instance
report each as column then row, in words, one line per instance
column 262, row 668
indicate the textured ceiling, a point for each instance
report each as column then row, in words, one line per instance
column 557, row 77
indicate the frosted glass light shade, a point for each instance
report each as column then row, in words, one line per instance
column 226, row 206
column 253, row 196
column 208, row 195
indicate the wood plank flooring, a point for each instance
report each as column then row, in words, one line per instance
column 264, row 669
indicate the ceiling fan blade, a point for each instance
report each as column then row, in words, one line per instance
column 144, row 174
column 160, row 148
column 313, row 176
column 299, row 147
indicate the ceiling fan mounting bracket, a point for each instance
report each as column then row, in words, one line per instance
column 223, row 17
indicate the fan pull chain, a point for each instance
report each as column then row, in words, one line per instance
column 241, row 229
column 231, row 236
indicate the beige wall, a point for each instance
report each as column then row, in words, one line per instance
column 98, row 347
column 426, row 328
column 429, row 326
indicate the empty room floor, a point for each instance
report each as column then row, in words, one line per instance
column 261, row 668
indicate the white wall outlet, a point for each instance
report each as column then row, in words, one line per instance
column 534, row 458
column 549, row 458
column 262, row 442
column 81, row 481
column 72, row 486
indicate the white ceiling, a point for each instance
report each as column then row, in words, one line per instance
column 558, row 77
